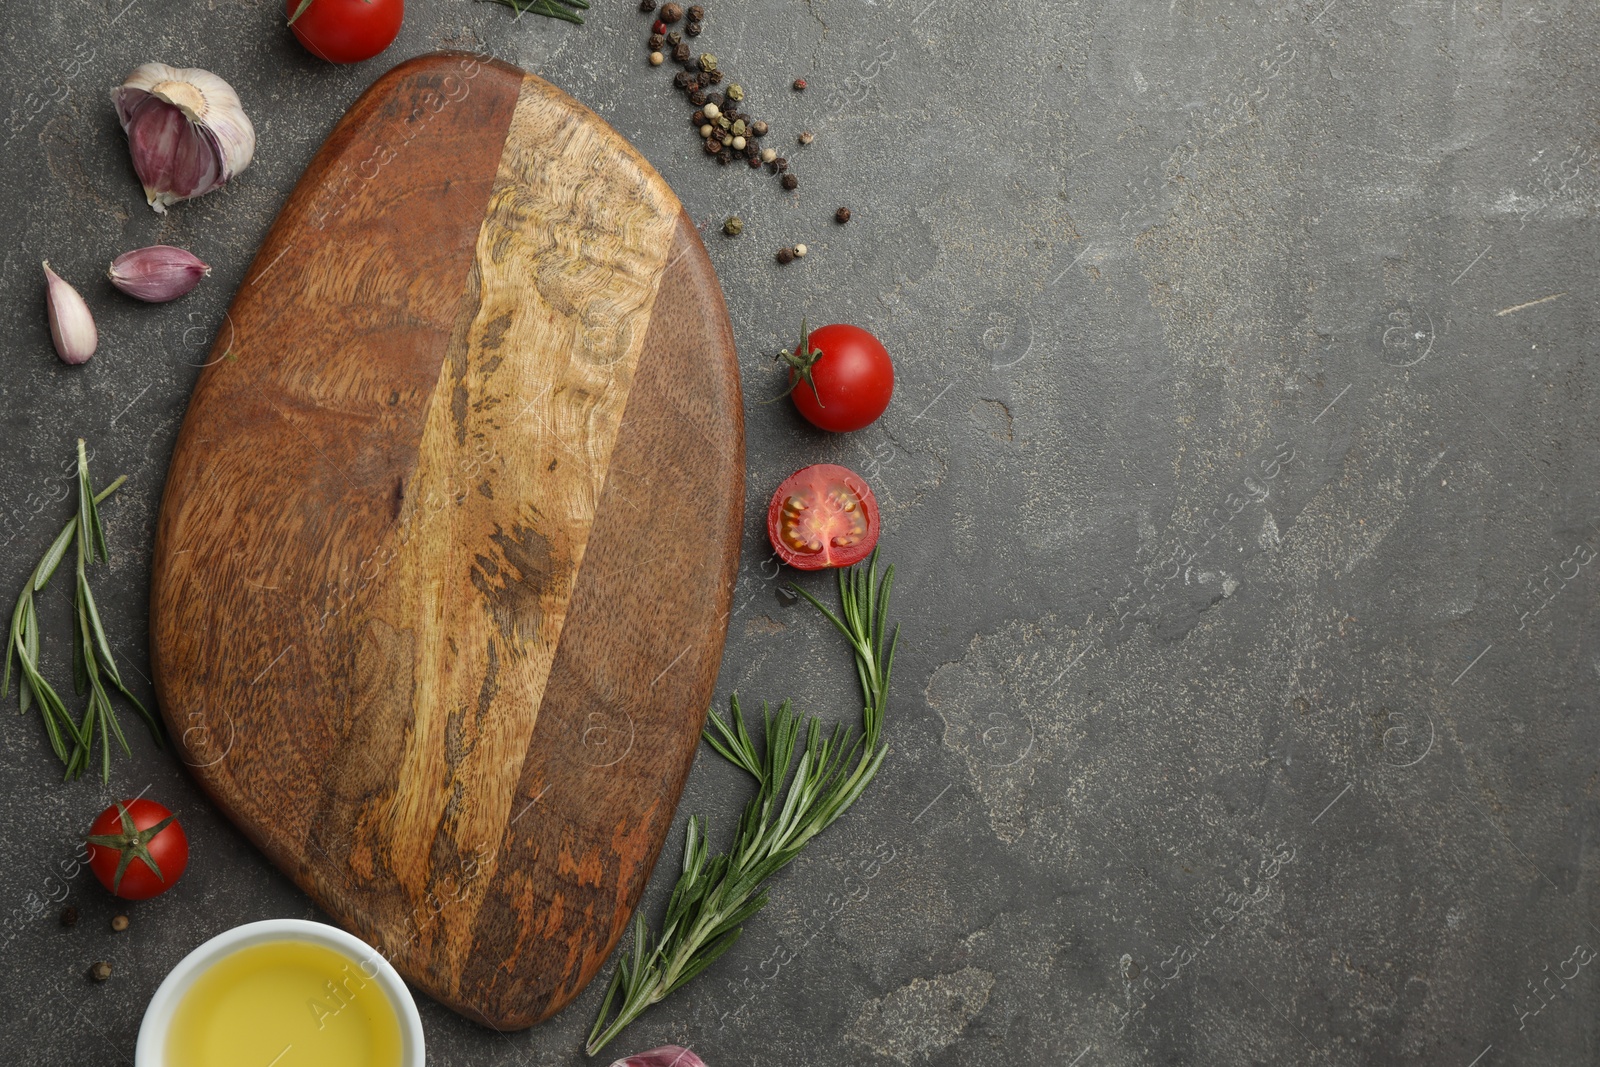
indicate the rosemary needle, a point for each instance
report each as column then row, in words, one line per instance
column 713, row 897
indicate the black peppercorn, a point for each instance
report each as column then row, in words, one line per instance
column 696, row 13
column 716, row 76
column 785, row 255
column 681, row 79
column 697, row 98
column 772, row 166
column 692, row 29
column 681, row 53
column 781, row 163
column 724, row 157
column 755, row 163
column 716, row 98
column 69, row 916
column 671, row 13
column 713, row 146
column 788, row 181
column 842, row 215
column 759, row 128
column 698, row 119
column 656, row 41
column 647, row 6
column 674, row 38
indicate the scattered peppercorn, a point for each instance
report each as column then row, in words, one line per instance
column 799, row 251
column 697, row 98
column 708, row 62
column 799, row 85
column 788, row 181
column 738, row 143
column 100, row 971
column 681, row 79
column 724, row 157
column 696, row 13
column 783, row 164
column 785, row 255
column 734, row 226
column 716, row 99
column 69, row 916
column 671, row 13
column 713, row 146
column 656, row 42
column 755, row 164
column 692, row 29
column 674, row 38
column 698, row 119
column 658, row 26
column 806, row 137
column 768, row 155
column 759, row 128
column 716, row 76
column 680, row 52
column 842, row 216
column 656, row 59
column 735, row 91
column 712, row 110
column 647, row 6
column 119, row 923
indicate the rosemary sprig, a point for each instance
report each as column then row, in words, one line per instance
column 92, row 661
column 555, row 9
column 713, row 897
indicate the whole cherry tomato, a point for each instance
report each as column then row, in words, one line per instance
column 137, row 849
column 345, row 31
column 842, row 377
column 823, row 516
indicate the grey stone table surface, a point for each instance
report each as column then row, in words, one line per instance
column 1239, row 477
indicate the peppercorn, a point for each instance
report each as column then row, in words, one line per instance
column 755, row 164
column 708, row 62
column 658, row 26
column 698, row 119
column 788, row 181
column 772, row 166
column 697, row 98
column 656, row 59
column 681, row 79
column 734, row 226
column 724, row 157
column 100, row 971
column 768, row 155
column 738, row 143
column 751, row 153
column 119, row 923
column 799, row 251
column 785, row 255
column 713, row 146
column 842, row 216
column 716, row 76
column 692, row 29
column 69, row 916
column 656, row 41
column 680, row 52
column 759, row 128
column 806, row 137
column 674, row 38
column 671, row 13
column 712, row 110
column 783, row 164
column 647, row 6
column 799, row 85
column 717, row 100
column 696, row 13
column 723, row 123
column 739, row 128
column 707, row 130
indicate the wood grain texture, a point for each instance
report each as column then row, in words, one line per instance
column 424, row 620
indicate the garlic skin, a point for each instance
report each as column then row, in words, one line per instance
column 71, row 325
column 186, row 130
column 665, row 1056
column 157, row 274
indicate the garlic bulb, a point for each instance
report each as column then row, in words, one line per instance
column 665, row 1056
column 71, row 325
column 157, row 274
column 186, row 130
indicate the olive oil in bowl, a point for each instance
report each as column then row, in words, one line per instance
column 282, row 993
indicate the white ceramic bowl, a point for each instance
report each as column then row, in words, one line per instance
column 152, row 1047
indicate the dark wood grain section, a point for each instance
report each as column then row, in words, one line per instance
column 493, row 848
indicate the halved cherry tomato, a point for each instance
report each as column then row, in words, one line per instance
column 842, row 378
column 823, row 516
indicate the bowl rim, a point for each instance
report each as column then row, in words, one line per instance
column 152, row 1045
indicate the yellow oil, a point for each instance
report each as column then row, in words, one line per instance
column 285, row 1004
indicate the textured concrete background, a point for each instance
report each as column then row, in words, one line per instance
column 1237, row 479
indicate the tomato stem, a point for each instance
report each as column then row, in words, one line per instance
column 800, row 361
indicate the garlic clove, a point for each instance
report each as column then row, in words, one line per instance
column 71, row 325
column 157, row 274
column 187, row 131
column 665, row 1056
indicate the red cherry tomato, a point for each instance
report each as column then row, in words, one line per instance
column 137, row 849
column 823, row 516
column 843, row 379
column 346, row 31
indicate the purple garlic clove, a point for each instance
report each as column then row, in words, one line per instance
column 157, row 274
column 71, row 325
column 665, row 1056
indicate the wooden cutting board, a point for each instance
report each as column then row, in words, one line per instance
column 443, row 568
